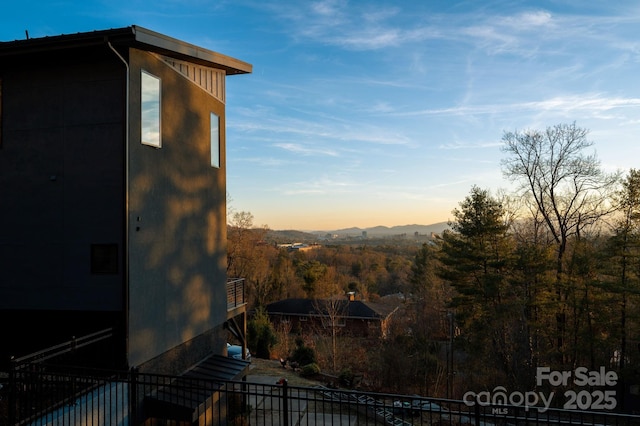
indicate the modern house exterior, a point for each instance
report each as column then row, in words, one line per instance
column 113, row 195
column 354, row 317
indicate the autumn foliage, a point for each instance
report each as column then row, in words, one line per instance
column 546, row 276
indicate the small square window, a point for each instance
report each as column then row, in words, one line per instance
column 104, row 258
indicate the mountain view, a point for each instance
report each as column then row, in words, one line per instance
column 356, row 232
column 385, row 231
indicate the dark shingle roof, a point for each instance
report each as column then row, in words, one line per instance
column 346, row 308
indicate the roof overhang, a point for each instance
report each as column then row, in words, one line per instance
column 133, row 36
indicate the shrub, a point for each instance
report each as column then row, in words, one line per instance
column 303, row 355
column 310, row 370
column 346, row 377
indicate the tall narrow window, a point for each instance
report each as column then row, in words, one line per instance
column 0, row 112
column 150, row 114
column 215, row 140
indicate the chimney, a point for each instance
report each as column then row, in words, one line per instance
column 351, row 296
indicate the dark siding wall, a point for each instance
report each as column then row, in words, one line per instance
column 177, row 220
column 61, row 180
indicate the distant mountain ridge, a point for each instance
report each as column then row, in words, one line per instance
column 292, row 235
column 390, row 231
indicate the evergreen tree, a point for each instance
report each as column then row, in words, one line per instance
column 429, row 322
column 477, row 259
column 621, row 265
column 260, row 334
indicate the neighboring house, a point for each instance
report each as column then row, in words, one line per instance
column 298, row 246
column 354, row 317
column 113, row 189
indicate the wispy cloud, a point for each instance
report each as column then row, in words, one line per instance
column 359, row 27
column 467, row 146
column 268, row 161
column 305, row 150
column 594, row 103
column 322, row 185
column 427, row 91
column 339, row 23
column 329, row 130
column 586, row 104
column 532, row 19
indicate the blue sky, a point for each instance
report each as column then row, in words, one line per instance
column 365, row 113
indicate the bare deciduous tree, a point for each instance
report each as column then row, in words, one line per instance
column 569, row 188
column 240, row 243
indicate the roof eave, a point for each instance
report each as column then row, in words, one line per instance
column 182, row 50
column 134, row 36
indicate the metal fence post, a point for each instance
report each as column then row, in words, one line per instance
column 133, row 395
column 285, row 402
column 13, row 390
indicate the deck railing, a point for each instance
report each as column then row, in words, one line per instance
column 235, row 293
column 48, row 396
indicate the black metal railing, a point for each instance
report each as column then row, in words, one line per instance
column 46, row 395
column 58, row 351
column 235, row 293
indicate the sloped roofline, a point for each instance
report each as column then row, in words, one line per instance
column 133, row 36
column 307, row 307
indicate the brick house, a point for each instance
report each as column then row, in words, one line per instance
column 355, row 317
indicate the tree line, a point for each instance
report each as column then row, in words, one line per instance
column 545, row 275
